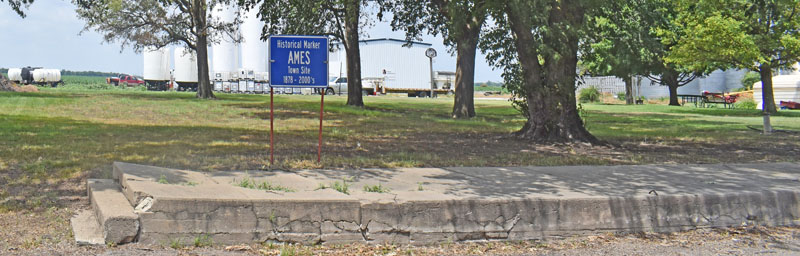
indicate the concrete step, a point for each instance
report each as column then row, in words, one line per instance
column 115, row 216
column 86, row 229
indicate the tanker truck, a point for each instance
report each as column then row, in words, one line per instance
column 35, row 75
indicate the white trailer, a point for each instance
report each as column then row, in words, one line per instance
column 402, row 68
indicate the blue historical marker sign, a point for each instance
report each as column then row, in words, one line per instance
column 298, row 61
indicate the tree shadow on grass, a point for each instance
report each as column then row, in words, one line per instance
column 42, row 95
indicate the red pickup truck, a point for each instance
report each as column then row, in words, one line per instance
column 125, row 80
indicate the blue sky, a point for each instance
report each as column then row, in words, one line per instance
column 49, row 37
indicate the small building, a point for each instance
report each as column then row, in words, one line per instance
column 784, row 88
column 401, row 64
column 720, row 81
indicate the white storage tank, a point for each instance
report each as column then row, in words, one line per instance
column 254, row 50
column 46, row 76
column 185, row 69
column 156, row 68
column 784, row 88
column 225, row 53
column 15, row 74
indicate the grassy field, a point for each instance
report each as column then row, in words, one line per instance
column 59, row 136
column 54, row 139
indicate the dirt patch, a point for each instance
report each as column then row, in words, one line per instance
column 26, row 189
column 6, row 85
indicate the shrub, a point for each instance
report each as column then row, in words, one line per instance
column 621, row 96
column 749, row 79
column 589, row 94
column 745, row 103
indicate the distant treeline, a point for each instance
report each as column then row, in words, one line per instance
column 88, row 73
column 65, row 72
column 488, row 84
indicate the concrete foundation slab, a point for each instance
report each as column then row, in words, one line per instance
column 429, row 205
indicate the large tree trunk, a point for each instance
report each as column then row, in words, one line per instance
column 352, row 13
column 467, row 45
column 673, row 95
column 204, row 89
column 550, row 86
column 628, row 89
column 767, row 96
column 670, row 79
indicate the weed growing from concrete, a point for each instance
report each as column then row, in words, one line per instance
column 250, row 183
column 163, row 179
column 342, row 187
column 269, row 245
column 288, row 251
column 419, row 186
column 203, row 241
column 376, row 188
column 266, row 185
column 189, row 183
column 246, row 182
column 176, row 244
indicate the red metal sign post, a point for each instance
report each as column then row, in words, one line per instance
column 271, row 125
column 271, row 117
column 321, row 110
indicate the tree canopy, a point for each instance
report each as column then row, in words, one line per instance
column 459, row 23
column 19, row 6
column 536, row 43
column 759, row 35
column 622, row 44
column 633, row 38
column 158, row 23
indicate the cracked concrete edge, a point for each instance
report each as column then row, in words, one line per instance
column 466, row 220
column 118, row 173
column 115, row 216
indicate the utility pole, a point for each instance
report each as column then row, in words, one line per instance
column 431, row 53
